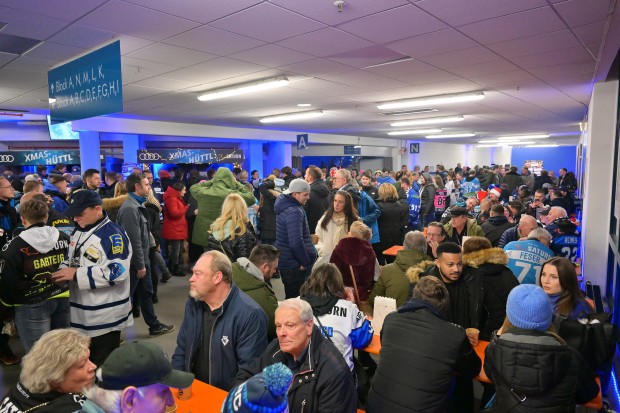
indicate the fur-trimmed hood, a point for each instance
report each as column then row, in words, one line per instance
column 114, row 203
column 414, row 273
column 487, row 256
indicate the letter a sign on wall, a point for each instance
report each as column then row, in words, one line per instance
column 302, row 141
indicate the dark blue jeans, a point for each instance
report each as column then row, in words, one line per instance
column 144, row 288
column 34, row 320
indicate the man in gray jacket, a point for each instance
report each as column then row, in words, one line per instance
column 132, row 216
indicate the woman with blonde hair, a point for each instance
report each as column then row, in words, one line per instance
column 54, row 373
column 112, row 205
column 232, row 233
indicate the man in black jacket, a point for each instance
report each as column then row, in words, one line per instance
column 322, row 381
column 319, row 196
column 423, row 350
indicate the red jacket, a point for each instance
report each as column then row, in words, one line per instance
column 360, row 255
column 175, row 224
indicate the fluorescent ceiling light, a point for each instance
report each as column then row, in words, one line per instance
column 413, row 132
column 292, row 116
column 411, row 112
column 539, row 136
column 502, row 145
column 432, row 100
column 451, row 135
column 429, row 121
column 390, row 62
column 304, row 105
column 508, row 142
column 243, row 88
column 542, row 146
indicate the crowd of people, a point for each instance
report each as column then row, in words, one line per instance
column 483, row 248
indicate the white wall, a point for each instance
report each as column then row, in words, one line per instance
column 449, row 155
column 598, row 141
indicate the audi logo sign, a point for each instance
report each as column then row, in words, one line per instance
column 7, row 158
column 147, row 156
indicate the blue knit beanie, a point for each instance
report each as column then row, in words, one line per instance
column 264, row 393
column 528, row 307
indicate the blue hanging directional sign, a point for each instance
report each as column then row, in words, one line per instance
column 352, row 150
column 88, row 86
column 302, row 141
column 414, row 148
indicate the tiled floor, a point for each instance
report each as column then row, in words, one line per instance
column 169, row 310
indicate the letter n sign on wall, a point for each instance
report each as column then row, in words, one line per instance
column 414, row 148
column 302, row 141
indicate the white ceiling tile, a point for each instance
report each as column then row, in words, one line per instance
column 133, row 92
column 327, row 13
column 325, row 42
column 462, row 57
column 271, row 55
column 275, row 23
column 366, row 56
column 10, row 78
column 514, row 26
column 317, row 67
column 546, row 42
column 6, row 57
column 82, row 36
column 213, row 71
column 575, row 54
column 567, row 69
column 591, row 33
column 581, row 12
column 433, row 43
column 367, row 80
column 163, row 83
column 54, row 51
column 60, row 9
column 172, row 55
column 197, row 10
column 457, row 12
column 134, row 70
column 120, row 17
column 394, row 24
column 131, row 44
column 487, row 68
column 31, row 64
column 502, row 79
column 213, row 40
column 31, row 25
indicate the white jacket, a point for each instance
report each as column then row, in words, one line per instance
column 99, row 293
column 330, row 236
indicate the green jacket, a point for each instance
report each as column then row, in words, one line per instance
column 210, row 196
column 393, row 282
column 473, row 229
column 260, row 291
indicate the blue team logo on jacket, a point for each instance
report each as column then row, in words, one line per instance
column 117, row 244
column 116, row 270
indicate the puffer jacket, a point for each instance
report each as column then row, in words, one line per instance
column 358, row 254
column 317, row 204
column 370, row 213
column 322, row 383
column 175, row 223
column 292, row 234
column 59, row 199
column 267, row 217
column 420, row 354
column 427, row 198
column 497, row 281
column 393, row 281
column 495, row 227
column 392, row 214
column 210, row 196
column 234, row 248
column 560, row 380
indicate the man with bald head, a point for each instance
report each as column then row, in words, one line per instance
column 527, row 224
column 565, row 240
column 525, row 258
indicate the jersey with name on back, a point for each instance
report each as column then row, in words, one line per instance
column 525, row 259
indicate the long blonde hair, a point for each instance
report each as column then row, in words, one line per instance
column 234, row 210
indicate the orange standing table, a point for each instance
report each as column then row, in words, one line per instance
column 392, row 251
column 205, row 399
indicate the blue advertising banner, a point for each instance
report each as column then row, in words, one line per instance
column 190, row 155
column 88, row 86
column 39, row 157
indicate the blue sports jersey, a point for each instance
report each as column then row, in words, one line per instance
column 413, row 199
column 525, row 259
column 566, row 245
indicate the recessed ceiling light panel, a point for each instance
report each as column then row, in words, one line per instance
column 292, row 116
column 432, row 100
column 429, row 121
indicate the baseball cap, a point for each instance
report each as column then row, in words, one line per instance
column 80, row 200
column 298, row 185
column 140, row 364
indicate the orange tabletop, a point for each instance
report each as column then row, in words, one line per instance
column 375, row 345
column 393, row 250
column 205, row 399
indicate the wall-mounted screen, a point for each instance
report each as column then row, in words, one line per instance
column 61, row 131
